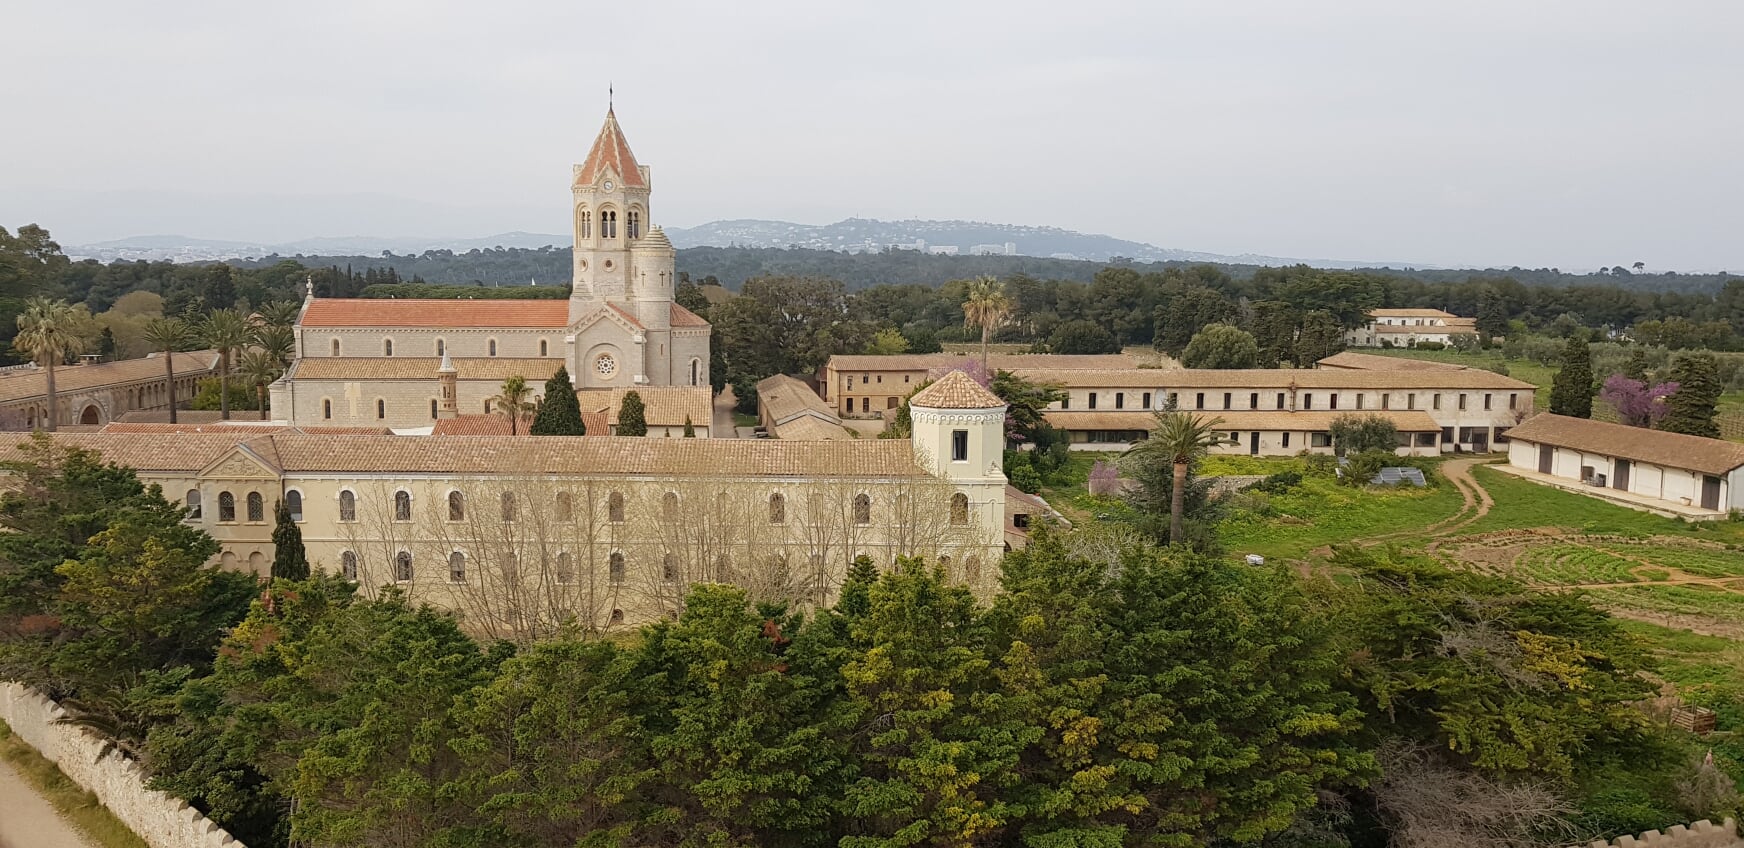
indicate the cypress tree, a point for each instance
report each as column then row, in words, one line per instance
column 689, row 428
column 290, row 561
column 632, row 419
column 1636, row 367
column 856, row 596
column 1690, row 409
column 1571, row 392
column 559, row 414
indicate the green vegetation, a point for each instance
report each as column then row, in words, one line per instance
column 78, row 807
column 1321, row 512
column 559, row 412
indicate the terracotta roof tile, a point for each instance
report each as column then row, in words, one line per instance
column 611, row 152
column 239, row 428
column 485, row 455
column 478, row 425
column 1300, row 421
column 997, row 361
column 785, row 398
column 956, row 391
column 1410, row 312
column 490, row 368
column 1672, row 450
column 480, row 312
column 1279, row 378
column 26, row 383
column 665, row 406
column 682, row 317
column 1377, row 362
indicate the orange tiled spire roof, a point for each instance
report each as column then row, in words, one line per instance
column 611, row 151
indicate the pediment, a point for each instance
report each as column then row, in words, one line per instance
column 603, row 312
column 241, row 463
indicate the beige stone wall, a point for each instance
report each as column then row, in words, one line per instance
column 404, row 403
column 109, row 403
column 118, row 782
column 858, row 394
column 421, row 341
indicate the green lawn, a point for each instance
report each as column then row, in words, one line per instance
column 1321, row 511
column 1522, row 504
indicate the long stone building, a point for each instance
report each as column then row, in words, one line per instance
column 520, row 534
column 98, row 393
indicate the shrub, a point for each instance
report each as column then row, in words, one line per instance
column 1279, row 483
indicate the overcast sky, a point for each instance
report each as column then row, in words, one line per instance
column 1570, row 134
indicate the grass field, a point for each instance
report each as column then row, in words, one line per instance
column 1321, row 512
column 77, row 806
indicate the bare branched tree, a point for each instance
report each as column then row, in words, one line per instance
column 1429, row 803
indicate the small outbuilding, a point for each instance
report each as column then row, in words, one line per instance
column 1671, row 473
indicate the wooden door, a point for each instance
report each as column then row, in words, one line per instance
column 1620, row 475
column 1546, row 458
column 1710, row 492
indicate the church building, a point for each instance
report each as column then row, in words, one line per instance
column 377, row 361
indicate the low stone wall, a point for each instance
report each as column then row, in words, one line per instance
column 1702, row 834
column 160, row 819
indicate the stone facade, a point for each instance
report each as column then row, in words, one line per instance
column 100, row 393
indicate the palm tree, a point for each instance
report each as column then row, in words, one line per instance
column 261, row 368
column 277, row 340
column 986, row 307
column 515, row 400
column 226, row 331
column 279, row 313
column 168, row 335
column 1179, row 438
column 48, row 332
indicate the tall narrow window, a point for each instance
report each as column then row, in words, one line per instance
column 193, row 502
column 959, row 509
column 669, row 506
column 959, row 445
column 972, row 569
column 1120, row 400
column 508, row 506
column 491, row 346
column 1280, row 400
column 615, row 507
column 777, row 509
column 326, row 408
column 544, row 347
column 1092, row 400
column 403, row 567
column 226, row 506
column 294, row 503
column 335, row 347
column 565, row 568
column 584, row 224
column 456, row 506
column 432, row 407
column 608, row 224
column 348, row 565
column 862, row 509
column 381, row 408
column 441, row 347
column 387, row 347
column 402, row 506
column 347, row 506
column 1307, row 400
column 669, row 568
column 565, row 507
column 457, row 567
column 633, row 224
column 615, row 567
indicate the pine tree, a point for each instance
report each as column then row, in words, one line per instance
column 559, row 414
column 1571, row 392
column 632, row 420
column 1690, row 409
column 856, row 589
column 689, row 428
column 1636, row 367
column 290, row 561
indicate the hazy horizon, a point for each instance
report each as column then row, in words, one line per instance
column 1564, row 134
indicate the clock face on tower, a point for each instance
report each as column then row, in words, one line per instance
column 608, row 185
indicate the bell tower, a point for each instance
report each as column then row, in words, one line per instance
column 609, row 213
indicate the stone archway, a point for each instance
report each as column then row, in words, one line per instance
column 91, row 415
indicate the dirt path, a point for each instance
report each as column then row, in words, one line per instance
column 1476, row 504
column 28, row 821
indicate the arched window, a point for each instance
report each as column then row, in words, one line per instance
column 457, row 567
column 381, row 408
column 817, row 508
column 226, row 506
column 492, row 347
column 511, row 566
column 544, row 347
column 616, row 566
column 508, row 506
column 348, row 565
column 633, row 224
column 608, row 224
column 387, row 347
column 403, row 567
column 402, row 505
column 294, row 503
column 347, row 506
column 862, row 509
column 777, row 509
column 193, row 502
column 456, row 506
column 614, row 507
column 959, row 509
column 441, row 347
column 721, row 504
column 669, row 568
column 326, row 408
column 335, row 347
column 972, row 569
column 584, row 224
column 565, row 568
column 256, row 507
column 617, row 616
column 565, row 507
column 696, row 372
column 669, row 506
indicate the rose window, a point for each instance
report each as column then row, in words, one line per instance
column 606, row 366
